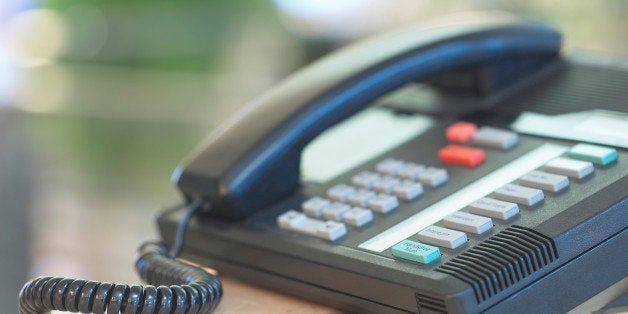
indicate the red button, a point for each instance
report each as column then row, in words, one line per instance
column 461, row 155
column 461, row 132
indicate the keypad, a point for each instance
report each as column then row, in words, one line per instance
column 374, row 194
column 369, row 192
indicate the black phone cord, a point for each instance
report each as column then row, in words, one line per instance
column 174, row 287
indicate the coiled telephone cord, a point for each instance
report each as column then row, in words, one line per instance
column 174, row 287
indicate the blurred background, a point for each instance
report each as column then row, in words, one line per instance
column 100, row 100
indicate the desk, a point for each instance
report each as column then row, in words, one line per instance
column 243, row 298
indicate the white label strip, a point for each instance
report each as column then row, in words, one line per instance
column 463, row 197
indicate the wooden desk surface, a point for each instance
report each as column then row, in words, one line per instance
column 240, row 297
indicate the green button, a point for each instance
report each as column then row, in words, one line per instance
column 596, row 154
column 415, row 251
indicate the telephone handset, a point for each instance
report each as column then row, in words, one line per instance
column 253, row 159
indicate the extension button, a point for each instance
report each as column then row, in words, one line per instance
column 461, row 132
column 415, row 251
column 596, row 154
column 461, row 155
column 494, row 137
column 442, row 237
column 569, row 167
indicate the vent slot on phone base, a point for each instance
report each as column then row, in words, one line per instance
column 428, row 304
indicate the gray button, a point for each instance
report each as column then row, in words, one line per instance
column 570, row 167
column 545, row 181
column 408, row 190
column 442, row 237
column 340, row 192
column 357, row 216
column 493, row 137
column 335, row 211
column 365, row 179
column 299, row 222
column 290, row 219
column 361, row 197
column 389, row 166
column 331, row 230
column 519, row 194
column 494, row 208
column 411, row 171
column 386, row 184
column 383, row 203
column 433, row 176
column 314, row 206
column 468, row 222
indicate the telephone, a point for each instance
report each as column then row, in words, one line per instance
column 555, row 232
column 511, row 197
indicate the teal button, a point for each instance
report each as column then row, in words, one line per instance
column 596, row 154
column 415, row 251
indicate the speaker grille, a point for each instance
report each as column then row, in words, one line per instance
column 501, row 261
column 429, row 304
column 576, row 87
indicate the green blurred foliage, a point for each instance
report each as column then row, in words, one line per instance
column 110, row 155
column 176, row 35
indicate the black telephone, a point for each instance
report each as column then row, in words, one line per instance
column 551, row 224
column 495, row 207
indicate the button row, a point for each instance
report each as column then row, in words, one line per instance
column 317, row 207
column 299, row 222
column 379, row 202
column 464, row 132
column 366, row 180
column 554, row 178
column 400, row 169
